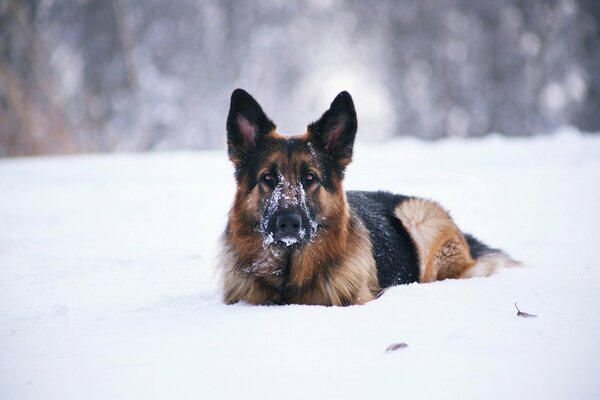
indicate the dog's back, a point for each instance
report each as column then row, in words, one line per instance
column 415, row 240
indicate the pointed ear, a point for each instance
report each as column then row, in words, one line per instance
column 335, row 131
column 246, row 124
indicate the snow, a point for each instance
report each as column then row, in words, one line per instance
column 288, row 241
column 108, row 287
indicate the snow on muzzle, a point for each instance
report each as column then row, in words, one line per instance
column 286, row 226
column 286, row 216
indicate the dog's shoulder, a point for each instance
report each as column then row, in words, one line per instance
column 393, row 248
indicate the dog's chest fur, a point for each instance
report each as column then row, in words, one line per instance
column 336, row 268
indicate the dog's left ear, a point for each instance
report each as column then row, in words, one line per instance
column 246, row 125
column 335, row 131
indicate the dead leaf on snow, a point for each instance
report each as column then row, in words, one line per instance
column 524, row 314
column 396, row 346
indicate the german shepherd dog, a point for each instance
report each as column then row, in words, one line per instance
column 294, row 236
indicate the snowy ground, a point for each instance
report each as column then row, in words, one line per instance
column 108, row 289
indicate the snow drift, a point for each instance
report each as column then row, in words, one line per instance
column 108, row 290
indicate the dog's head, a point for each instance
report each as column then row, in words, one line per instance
column 289, row 189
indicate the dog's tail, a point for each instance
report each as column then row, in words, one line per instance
column 488, row 259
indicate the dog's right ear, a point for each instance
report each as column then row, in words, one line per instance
column 246, row 124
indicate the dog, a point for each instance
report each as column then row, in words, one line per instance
column 294, row 236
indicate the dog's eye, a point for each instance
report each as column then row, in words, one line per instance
column 309, row 179
column 269, row 179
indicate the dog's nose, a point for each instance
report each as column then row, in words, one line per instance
column 288, row 224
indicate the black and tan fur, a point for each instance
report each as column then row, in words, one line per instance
column 294, row 235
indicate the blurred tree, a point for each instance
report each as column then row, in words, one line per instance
column 29, row 121
column 588, row 117
column 98, row 75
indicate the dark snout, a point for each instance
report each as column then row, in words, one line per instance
column 287, row 226
column 288, row 223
